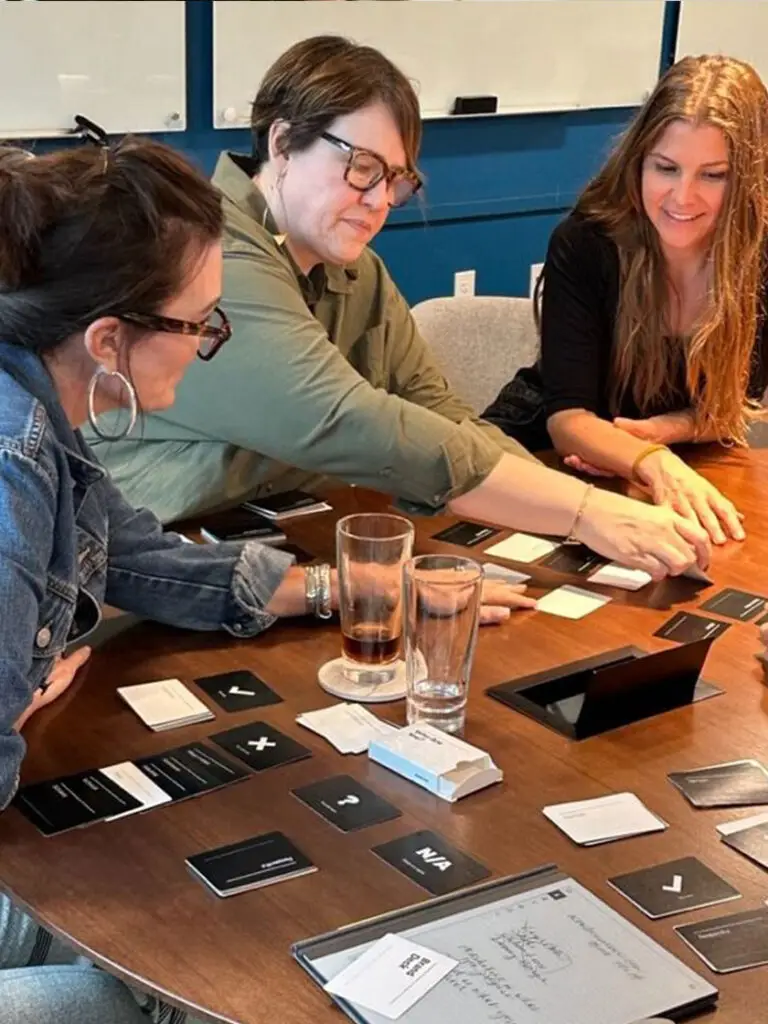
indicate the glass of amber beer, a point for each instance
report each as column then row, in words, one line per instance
column 371, row 549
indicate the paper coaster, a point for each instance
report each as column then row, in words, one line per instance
column 332, row 679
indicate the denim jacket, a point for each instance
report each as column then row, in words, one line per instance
column 70, row 542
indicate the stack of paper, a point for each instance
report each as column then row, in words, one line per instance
column 348, row 727
column 603, row 819
column 166, row 704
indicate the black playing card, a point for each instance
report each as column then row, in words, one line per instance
column 250, row 864
column 674, row 887
column 735, row 604
column 729, row 943
column 430, row 861
column 574, row 559
column 261, row 746
column 73, row 801
column 466, row 534
column 684, row 628
column 346, row 803
column 190, row 770
column 735, row 784
column 752, row 842
column 235, row 691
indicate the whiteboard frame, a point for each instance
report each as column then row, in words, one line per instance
column 72, row 44
column 235, row 21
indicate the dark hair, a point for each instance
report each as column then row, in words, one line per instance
column 90, row 231
column 325, row 77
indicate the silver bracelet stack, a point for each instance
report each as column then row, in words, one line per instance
column 317, row 588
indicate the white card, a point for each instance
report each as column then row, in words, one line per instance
column 500, row 572
column 571, row 602
column 522, row 547
column 391, row 976
column 604, row 818
column 615, row 575
column 348, row 727
column 728, row 828
column 164, row 703
column 133, row 780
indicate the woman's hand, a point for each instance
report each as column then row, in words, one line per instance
column 641, row 536
column 60, row 678
column 576, row 462
column 500, row 599
column 669, row 428
column 672, row 482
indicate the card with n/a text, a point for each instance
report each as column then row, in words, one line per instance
column 674, row 887
column 190, row 770
column 73, row 801
column 571, row 602
column 730, row 943
column 736, row 604
column 522, row 547
column 432, row 862
column 236, row 691
column 250, row 864
column 734, row 784
column 465, row 534
column 261, row 746
column 391, row 976
column 347, row 803
column 685, row 627
column 752, row 842
column 575, row 559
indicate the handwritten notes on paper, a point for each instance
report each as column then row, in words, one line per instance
column 553, row 955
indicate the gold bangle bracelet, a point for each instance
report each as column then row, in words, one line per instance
column 644, row 455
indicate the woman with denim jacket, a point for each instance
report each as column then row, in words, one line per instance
column 110, row 278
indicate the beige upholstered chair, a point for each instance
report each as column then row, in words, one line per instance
column 479, row 342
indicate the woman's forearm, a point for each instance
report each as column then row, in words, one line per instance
column 596, row 441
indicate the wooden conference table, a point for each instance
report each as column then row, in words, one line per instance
column 120, row 892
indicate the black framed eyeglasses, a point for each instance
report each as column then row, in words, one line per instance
column 211, row 335
column 366, row 169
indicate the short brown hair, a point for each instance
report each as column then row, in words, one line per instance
column 87, row 232
column 326, row 77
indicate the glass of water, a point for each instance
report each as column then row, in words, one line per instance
column 371, row 550
column 442, row 597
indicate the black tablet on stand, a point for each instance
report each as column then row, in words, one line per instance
column 588, row 697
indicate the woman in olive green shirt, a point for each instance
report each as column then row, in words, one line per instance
column 326, row 373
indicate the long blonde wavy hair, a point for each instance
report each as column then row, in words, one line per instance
column 728, row 94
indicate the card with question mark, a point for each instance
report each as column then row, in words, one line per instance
column 346, row 803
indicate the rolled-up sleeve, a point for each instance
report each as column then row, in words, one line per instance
column 282, row 389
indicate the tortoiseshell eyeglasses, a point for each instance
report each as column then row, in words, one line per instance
column 211, row 335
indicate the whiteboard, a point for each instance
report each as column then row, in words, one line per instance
column 738, row 28
column 121, row 63
column 533, row 55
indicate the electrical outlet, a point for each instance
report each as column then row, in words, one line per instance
column 464, row 282
column 536, row 269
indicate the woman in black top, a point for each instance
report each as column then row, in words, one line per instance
column 651, row 306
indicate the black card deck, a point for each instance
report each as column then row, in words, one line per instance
column 735, row 604
column 730, row 943
column 674, row 887
column 190, row 771
column 236, row 691
column 429, row 860
column 261, row 746
column 734, row 784
column 574, row 559
column 250, row 864
column 684, row 628
column 346, row 803
column 73, row 801
column 752, row 842
column 466, row 534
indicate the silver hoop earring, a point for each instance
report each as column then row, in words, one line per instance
column 133, row 404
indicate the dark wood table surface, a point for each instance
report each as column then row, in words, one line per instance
column 120, row 891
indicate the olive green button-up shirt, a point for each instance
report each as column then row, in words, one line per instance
column 325, row 375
